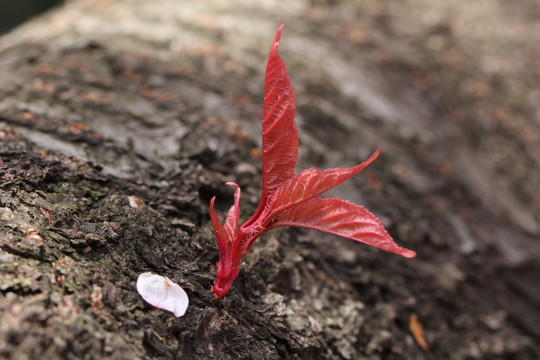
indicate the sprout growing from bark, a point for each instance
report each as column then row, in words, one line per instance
column 290, row 199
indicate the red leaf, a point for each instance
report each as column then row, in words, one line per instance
column 310, row 183
column 340, row 217
column 231, row 223
column 226, row 234
column 279, row 132
column 222, row 239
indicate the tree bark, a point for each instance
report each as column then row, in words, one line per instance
column 119, row 120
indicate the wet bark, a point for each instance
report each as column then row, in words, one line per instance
column 120, row 120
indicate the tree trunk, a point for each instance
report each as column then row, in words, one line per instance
column 119, row 120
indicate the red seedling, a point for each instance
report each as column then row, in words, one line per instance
column 290, row 199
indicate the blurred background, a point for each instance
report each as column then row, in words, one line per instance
column 13, row 13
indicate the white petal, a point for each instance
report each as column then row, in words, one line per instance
column 161, row 292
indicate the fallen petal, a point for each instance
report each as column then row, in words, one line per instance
column 161, row 292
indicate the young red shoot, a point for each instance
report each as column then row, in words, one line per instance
column 290, row 199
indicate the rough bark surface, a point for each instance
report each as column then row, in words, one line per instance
column 119, row 120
